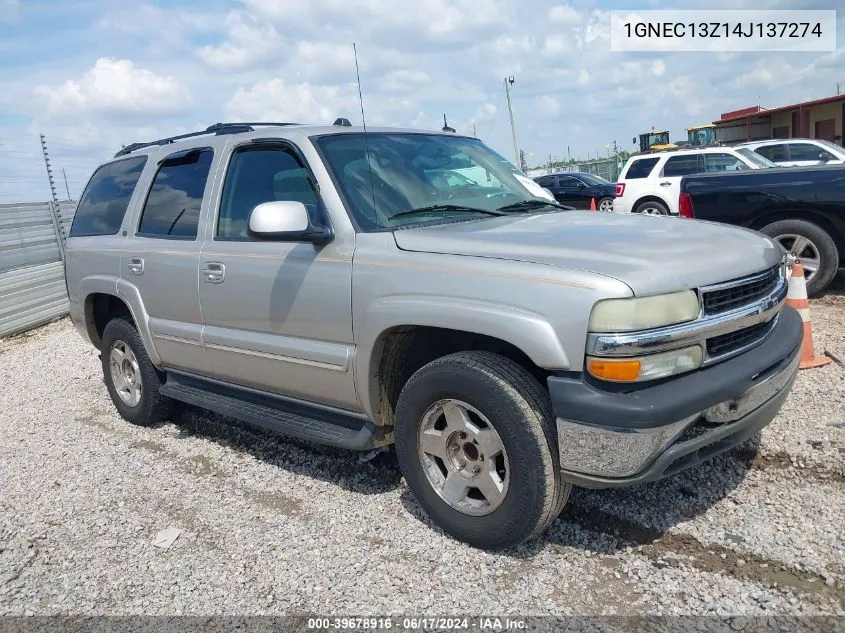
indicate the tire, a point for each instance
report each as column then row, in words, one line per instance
column 499, row 392
column 151, row 407
column 820, row 249
column 651, row 207
column 608, row 202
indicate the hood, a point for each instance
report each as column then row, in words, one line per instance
column 650, row 254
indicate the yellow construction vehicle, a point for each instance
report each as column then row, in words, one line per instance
column 701, row 135
column 655, row 141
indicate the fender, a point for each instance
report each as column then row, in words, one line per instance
column 528, row 331
column 132, row 298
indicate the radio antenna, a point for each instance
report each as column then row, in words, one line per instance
column 364, row 122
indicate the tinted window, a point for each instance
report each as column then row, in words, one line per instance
column 568, row 182
column 104, row 202
column 722, row 162
column 173, row 205
column 804, row 151
column 641, row 168
column 259, row 175
column 681, row 166
column 772, row 152
column 547, row 181
column 383, row 175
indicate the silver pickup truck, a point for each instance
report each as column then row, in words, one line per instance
column 368, row 289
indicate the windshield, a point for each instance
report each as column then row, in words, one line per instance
column 754, row 158
column 409, row 171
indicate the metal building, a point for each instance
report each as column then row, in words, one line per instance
column 820, row 119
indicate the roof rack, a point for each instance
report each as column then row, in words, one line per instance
column 217, row 129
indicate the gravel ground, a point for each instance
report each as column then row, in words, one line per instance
column 271, row 526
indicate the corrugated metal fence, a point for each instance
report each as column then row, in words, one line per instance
column 32, row 281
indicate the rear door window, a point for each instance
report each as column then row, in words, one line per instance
column 172, row 209
column 103, row 204
column 641, row 168
column 681, row 166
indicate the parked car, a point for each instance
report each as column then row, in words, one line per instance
column 650, row 183
column 798, row 152
column 578, row 189
column 801, row 208
column 314, row 281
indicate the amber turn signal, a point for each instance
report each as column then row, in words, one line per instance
column 622, row 370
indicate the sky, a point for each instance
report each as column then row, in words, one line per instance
column 92, row 75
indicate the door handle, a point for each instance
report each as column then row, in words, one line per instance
column 136, row 265
column 214, row 272
column 665, row 184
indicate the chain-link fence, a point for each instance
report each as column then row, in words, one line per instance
column 608, row 168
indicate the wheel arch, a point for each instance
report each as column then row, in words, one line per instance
column 758, row 222
column 398, row 351
column 651, row 197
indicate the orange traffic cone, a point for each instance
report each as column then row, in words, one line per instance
column 797, row 298
column 592, row 204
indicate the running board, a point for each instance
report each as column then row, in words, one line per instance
column 292, row 418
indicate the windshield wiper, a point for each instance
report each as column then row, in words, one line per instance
column 527, row 205
column 445, row 208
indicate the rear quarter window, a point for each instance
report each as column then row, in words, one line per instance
column 104, row 202
column 640, row 168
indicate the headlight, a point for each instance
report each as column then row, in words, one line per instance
column 648, row 367
column 643, row 313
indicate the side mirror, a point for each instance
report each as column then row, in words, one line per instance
column 824, row 157
column 285, row 220
column 581, row 185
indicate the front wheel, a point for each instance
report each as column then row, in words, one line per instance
column 475, row 441
column 606, row 205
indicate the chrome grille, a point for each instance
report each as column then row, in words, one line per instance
column 740, row 292
column 734, row 341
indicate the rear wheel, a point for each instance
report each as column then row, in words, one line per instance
column 606, row 205
column 130, row 376
column 475, row 441
column 813, row 247
column 651, row 207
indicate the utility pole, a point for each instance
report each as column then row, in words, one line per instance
column 837, row 88
column 49, row 169
column 508, row 83
column 66, row 187
column 473, row 130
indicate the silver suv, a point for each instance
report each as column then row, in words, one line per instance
column 331, row 284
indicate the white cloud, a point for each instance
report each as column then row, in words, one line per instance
column 564, row 14
column 444, row 21
column 274, row 100
column 546, row 106
column 249, row 43
column 276, row 59
column 403, row 80
column 116, row 88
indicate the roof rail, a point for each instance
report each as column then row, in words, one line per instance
column 217, row 129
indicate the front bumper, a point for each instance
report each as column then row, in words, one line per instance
column 611, row 439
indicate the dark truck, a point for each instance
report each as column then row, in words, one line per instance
column 802, row 208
